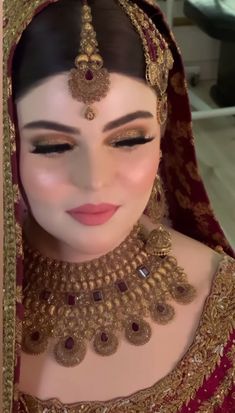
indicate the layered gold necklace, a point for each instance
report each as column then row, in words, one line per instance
column 100, row 301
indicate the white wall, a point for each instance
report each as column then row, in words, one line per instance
column 197, row 47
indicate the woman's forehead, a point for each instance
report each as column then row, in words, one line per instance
column 52, row 100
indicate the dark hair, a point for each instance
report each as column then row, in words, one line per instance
column 50, row 43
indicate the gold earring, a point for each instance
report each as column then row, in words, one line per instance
column 156, row 205
column 162, row 110
column 159, row 243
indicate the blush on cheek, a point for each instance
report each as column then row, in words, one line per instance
column 42, row 186
column 139, row 179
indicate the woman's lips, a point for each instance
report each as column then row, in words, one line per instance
column 95, row 218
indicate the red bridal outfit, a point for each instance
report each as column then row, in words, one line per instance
column 203, row 380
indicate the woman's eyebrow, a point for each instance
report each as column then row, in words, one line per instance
column 59, row 127
column 127, row 118
column 55, row 126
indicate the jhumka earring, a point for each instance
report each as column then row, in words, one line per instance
column 156, row 205
column 155, row 210
column 90, row 81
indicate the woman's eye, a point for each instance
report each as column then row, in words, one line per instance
column 141, row 140
column 64, row 147
column 50, row 149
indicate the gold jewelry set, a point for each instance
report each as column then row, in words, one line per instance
column 69, row 305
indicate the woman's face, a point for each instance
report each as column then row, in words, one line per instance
column 67, row 161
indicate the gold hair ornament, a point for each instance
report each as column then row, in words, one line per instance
column 90, row 81
column 158, row 57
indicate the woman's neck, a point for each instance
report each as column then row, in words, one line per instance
column 39, row 239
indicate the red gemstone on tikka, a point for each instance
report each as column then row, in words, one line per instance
column 160, row 308
column 69, row 343
column 180, row 288
column 89, row 75
column 104, row 337
column 35, row 336
column 135, row 327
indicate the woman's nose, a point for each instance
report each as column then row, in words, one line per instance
column 93, row 170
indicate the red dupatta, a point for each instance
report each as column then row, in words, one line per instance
column 189, row 207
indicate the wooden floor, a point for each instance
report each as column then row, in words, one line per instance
column 215, row 146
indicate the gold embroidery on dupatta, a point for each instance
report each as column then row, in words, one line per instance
column 178, row 83
column 25, row 409
column 202, row 208
column 9, row 281
column 197, row 364
column 19, row 294
column 183, row 200
column 193, row 171
column 176, row 162
column 217, row 237
column 16, row 193
column 182, row 130
column 18, row 338
column 19, row 240
column 216, row 401
column 17, row 15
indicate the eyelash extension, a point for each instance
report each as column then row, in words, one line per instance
column 141, row 140
column 58, row 148
column 61, row 148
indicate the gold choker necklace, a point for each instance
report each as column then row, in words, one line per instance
column 75, row 303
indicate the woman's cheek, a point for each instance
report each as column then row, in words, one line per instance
column 139, row 174
column 41, row 182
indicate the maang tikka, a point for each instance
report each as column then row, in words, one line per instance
column 90, row 81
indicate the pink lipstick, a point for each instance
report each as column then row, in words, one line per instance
column 90, row 214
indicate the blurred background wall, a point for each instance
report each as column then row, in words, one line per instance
column 215, row 135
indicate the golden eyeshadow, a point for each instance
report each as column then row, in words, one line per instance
column 58, row 139
column 131, row 133
column 52, row 140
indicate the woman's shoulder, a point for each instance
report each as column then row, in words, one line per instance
column 200, row 262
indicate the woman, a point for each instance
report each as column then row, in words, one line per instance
column 122, row 304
